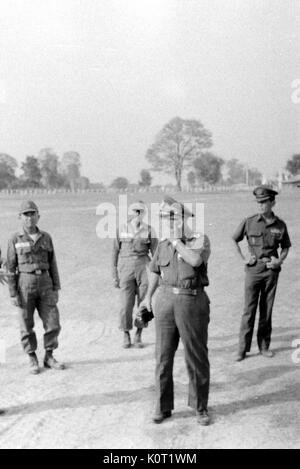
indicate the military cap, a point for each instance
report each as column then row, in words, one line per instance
column 173, row 209
column 263, row 193
column 138, row 205
column 28, row 206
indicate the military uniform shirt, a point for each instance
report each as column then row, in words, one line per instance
column 134, row 243
column 172, row 268
column 264, row 238
column 25, row 255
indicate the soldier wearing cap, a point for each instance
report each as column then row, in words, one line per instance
column 265, row 234
column 2, row 281
column 34, row 284
column 181, row 309
column 130, row 258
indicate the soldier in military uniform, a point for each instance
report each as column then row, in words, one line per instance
column 130, row 259
column 181, row 310
column 34, row 284
column 265, row 233
column 2, row 281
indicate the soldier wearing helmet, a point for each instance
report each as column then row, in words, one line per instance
column 34, row 284
column 132, row 246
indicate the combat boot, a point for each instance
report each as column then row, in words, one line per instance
column 159, row 417
column 33, row 364
column 202, row 417
column 267, row 353
column 138, row 338
column 240, row 356
column 126, row 340
column 50, row 362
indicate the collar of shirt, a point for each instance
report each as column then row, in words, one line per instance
column 260, row 217
column 132, row 229
column 27, row 236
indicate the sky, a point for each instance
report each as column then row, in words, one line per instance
column 102, row 77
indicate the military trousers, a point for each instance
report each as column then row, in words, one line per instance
column 260, row 289
column 36, row 293
column 186, row 317
column 133, row 275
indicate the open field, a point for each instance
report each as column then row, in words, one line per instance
column 105, row 397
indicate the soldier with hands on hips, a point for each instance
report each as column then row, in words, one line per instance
column 265, row 234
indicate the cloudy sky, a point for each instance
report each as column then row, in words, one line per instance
column 102, row 77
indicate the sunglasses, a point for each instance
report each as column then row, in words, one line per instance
column 29, row 214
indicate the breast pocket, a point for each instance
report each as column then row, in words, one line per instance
column 185, row 270
column 24, row 255
column 164, row 261
column 255, row 238
column 43, row 251
column 274, row 238
column 141, row 245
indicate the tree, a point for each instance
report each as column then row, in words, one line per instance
column 176, row 145
column 293, row 165
column 120, row 183
column 70, row 168
column 236, row 171
column 191, row 179
column 48, row 161
column 84, row 183
column 32, row 175
column 208, row 168
column 8, row 165
column 254, row 177
column 146, row 178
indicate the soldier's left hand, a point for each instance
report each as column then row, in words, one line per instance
column 274, row 263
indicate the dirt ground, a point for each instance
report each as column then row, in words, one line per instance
column 105, row 397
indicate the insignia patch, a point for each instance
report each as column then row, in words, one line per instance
column 22, row 245
column 125, row 234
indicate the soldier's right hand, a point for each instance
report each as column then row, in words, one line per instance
column 147, row 303
column 15, row 301
column 250, row 259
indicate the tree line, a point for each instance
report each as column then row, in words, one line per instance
column 184, row 145
column 46, row 171
column 181, row 148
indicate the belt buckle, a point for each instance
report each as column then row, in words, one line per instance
column 194, row 292
column 175, row 290
column 38, row 272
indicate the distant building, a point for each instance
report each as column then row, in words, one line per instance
column 291, row 183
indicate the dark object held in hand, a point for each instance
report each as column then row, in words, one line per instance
column 143, row 317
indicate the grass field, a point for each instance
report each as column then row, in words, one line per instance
column 105, row 397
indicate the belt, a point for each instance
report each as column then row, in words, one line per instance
column 182, row 291
column 264, row 259
column 35, row 272
column 134, row 256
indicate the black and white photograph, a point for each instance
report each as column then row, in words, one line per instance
column 150, row 227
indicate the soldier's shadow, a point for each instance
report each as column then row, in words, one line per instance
column 284, row 395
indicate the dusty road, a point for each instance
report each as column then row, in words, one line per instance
column 105, row 397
